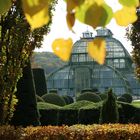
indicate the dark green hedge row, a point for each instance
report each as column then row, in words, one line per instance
column 127, row 114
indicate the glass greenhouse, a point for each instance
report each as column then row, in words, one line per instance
column 83, row 72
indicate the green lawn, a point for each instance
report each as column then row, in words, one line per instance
column 136, row 103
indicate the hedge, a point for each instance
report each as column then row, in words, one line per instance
column 88, row 116
column 131, row 113
column 54, row 98
column 49, row 117
column 89, row 96
column 68, row 116
column 75, row 132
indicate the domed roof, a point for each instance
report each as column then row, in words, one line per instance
column 114, row 47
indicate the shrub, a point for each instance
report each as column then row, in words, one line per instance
column 131, row 113
column 39, row 99
column 68, row 116
column 103, row 96
column 78, row 104
column 46, row 106
column 68, row 99
column 89, row 96
column 94, row 90
column 109, row 111
column 89, row 116
column 49, row 117
column 54, row 98
column 53, row 91
column 128, row 97
column 122, row 99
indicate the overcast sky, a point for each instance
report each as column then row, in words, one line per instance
column 59, row 28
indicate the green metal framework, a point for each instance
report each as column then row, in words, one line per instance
column 83, row 72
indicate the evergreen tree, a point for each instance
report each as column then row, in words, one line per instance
column 109, row 111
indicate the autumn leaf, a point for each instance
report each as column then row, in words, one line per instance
column 72, row 4
column 97, row 50
column 129, row 2
column 62, row 48
column 70, row 20
column 36, row 12
column 125, row 16
column 5, row 5
column 94, row 14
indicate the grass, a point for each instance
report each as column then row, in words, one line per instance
column 136, row 103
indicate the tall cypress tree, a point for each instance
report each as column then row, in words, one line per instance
column 109, row 111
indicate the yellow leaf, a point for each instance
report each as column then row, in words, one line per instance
column 71, row 4
column 5, row 5
column 94, row 13
column 36, row 12
column 125, row 16
column 70, row 20
column 62, row 48
column 97, row 50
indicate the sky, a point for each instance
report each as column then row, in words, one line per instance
column 59, row 28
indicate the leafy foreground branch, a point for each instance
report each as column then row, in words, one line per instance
column 75, row 132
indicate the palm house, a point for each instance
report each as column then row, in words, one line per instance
column 83, row 72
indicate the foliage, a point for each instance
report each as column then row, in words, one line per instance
column 75, row 132
column 17, row 43
column 54, row 98
column 103, row 96
column 122, row 99
column 79, row 104
column 89, row 96
column 68, row 117
column 62, row 48
column 46, row 60
column 53, row 91
column 68, row 99
column 45, row 106
column 49, row 117
column 39, row 99
column 109, row 111
column 131, row 113
column 37, row 15
column 128, row 97
column 133, row 34
column 95, row 90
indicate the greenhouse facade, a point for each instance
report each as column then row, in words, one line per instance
column 82, row 72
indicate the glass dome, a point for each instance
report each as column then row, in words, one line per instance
column 83, row 72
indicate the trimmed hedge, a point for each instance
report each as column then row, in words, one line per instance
column 89, row 96
column 68, row 116
column 131, row 113
column 49, row 117
column 103, row 96
column 54, row 98
column 78, row 104
column 89, row 116
column 94, row 90
column 39, row 99
column 122, row 99
column 128, row 97
column 44, row 106
column 68, row 99
column 109, row 110
column 75, row 132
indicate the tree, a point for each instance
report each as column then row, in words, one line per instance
column 17, row 42
column 133, row 34
column 109, row 111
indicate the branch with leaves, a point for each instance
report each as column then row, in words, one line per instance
column 95, row 13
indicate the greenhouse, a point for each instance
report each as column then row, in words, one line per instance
column 82, row 72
